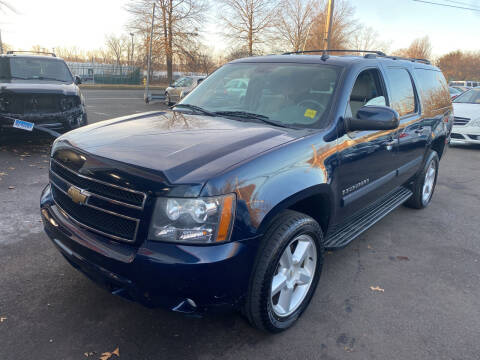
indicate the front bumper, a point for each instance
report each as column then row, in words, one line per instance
column 59, row 121
column 184, row 278
column 465, row 135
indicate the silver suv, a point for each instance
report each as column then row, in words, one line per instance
column 180, row 88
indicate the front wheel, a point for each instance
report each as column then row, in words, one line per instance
column 424, row 185
column 286, row 272
column 168, row 102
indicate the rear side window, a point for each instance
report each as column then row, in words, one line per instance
column 434, row 89
column 402, row 96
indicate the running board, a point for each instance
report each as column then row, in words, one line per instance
column 342, row 235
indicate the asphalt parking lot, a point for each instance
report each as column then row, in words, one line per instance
column 426, row 262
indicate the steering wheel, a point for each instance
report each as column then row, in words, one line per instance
column 318, row 106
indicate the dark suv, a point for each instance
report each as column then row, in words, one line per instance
column 41, row 90
column 231, row 198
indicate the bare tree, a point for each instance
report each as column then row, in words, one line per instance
column 177, row 23
column 294, row 23
column 458, row 65
column 419, row 48
column 366, row 38
column 247, row 22
column 117, row 46
column 344, row 25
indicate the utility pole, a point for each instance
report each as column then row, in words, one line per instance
column 328, row 25
column 149, row 60
column 131, row 60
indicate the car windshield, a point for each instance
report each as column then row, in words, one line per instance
column 31, row 68
column 288, row 94
column 469, row 97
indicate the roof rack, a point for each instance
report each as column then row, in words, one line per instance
column 326, row 51
column 369, row 54
column 11, row 52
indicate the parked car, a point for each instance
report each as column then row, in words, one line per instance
column 462, row 88
column 226, row 204
column 41, row 90
column 180, row 88
column 466, row 125
column 454, row 92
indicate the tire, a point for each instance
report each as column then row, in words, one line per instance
column 418, row 200
column 168, row 102
column 84, row 120
column 290, row 229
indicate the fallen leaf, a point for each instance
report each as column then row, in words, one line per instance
column 11, row 187
column 369, row 247
column 2, row 319
column 107, row 355
column 404, row 258
column 3, row 173
column 377, row 288
column 11, row 168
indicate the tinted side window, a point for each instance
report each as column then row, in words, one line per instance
column 367, row 91
column 402, row 97
column 434, row 88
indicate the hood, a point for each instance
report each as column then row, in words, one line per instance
column 41, row 87
column 471, row 111
column 186, row 149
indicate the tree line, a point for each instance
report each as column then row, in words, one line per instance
column 249, row 27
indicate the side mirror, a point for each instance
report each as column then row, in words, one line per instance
column 77, row 80
column 199, row 81
column 373, row 118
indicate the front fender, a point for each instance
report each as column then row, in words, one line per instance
column 276, row 180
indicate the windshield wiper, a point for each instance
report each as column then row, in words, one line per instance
column 248, row 115
column 195, row 108
column 13, row 77
column 43, row 78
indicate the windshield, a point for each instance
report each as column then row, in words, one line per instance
column 31, row 68
column 285, row 93
column 469, row 97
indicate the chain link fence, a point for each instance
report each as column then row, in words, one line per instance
column 95, row 73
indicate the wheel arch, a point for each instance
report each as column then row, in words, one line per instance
column 316, row 201
column 438, row 145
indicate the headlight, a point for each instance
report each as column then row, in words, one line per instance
column 199, row 220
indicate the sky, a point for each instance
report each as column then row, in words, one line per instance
column 85, row 23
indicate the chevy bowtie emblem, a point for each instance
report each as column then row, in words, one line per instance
column 77, row 195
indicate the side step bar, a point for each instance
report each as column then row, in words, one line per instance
column 341, row 236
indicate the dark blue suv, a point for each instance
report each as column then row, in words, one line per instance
column 230, row 199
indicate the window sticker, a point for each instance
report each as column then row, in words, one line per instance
column 310, row 113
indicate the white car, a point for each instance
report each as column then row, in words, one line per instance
column 466, row 124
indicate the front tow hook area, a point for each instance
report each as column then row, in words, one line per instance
column 187, row 307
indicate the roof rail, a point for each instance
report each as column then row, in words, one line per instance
column 11, row 52
column 425, row 61
column 326, row 51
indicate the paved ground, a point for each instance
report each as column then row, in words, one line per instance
column 427, row 262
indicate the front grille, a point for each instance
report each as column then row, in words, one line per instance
column 37, row 103
column 456, row 136
column 108, row 209
column 95, row 186
column 460, row 121
column 96, row 220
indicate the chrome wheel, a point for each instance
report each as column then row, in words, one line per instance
column 429, row 182
column 294, row 275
